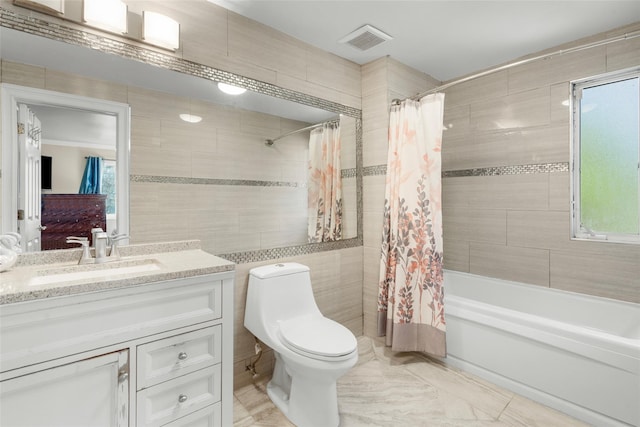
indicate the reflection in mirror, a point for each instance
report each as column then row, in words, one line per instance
column 61, row 131
column 238, row 126
column 70, row 139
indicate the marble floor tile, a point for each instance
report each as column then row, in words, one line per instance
column 388, row 389
column 525, row 412
column 241, row 417
column 481, row 394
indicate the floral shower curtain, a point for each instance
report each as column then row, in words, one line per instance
column 325, row 184
column 92, row 178
column 411, row 295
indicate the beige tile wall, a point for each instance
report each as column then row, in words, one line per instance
column 229, row 144
column 517, row 227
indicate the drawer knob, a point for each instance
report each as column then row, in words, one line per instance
column 123, row 377
column 182, row 398
column 182, row 355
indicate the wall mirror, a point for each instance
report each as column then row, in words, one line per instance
column 74, row 59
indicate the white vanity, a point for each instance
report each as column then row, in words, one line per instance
column 147, row 340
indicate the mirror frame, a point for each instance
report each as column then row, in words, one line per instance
column 11, row 96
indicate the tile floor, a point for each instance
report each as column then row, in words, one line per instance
column 408, row 389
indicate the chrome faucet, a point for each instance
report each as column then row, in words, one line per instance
column 100, row 240
column 95, row 231
column 85, row 258
column 114, row 253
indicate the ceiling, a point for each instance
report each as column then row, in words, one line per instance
column 445, row 39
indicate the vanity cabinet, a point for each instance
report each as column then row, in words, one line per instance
column 145, row 355
column 91, row 392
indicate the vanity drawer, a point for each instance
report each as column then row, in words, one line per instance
column 165, row 359
column 211, row 416
column 171, row 400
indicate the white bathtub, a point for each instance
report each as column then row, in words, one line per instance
column 576, row 353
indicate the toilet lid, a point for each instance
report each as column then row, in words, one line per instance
column 318, row 336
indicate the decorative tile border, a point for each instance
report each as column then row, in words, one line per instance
column 290, row 251
column 490, row 171
column 348, row 173
column 159, row 179
column 374, row 170
column 212, row 181
column 509, row 170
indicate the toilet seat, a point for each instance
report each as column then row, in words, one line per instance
column 318, row 338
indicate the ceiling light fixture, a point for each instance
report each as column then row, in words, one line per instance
column 230, row 89
column 190, row 118
column 160, row 30
column 110, row 15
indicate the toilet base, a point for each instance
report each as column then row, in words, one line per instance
column 305, row 401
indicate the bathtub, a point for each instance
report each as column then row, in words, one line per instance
column 573, row 352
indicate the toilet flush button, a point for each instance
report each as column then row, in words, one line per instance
column 279, row 265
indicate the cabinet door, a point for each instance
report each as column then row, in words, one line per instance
column 92, row 392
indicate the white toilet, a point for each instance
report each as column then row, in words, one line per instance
column 311, row 351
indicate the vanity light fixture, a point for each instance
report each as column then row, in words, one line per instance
column 190, row 118
column 230, row 89
column 110, row 15
column 160, row 30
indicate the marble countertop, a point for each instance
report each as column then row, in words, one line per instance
column 138, row 265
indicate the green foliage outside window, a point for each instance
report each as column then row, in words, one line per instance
column 609, row 151
column 109, row 187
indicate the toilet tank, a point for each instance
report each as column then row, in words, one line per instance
column 278, row 292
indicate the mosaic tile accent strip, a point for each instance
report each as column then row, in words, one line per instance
column 54, row 31
column 375, row 170
column 490, row 171
column 290, row 251
column 509, row 170
column 348, row 173
column 359, row 179
column 212, row 181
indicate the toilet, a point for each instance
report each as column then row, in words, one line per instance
column 311, row 351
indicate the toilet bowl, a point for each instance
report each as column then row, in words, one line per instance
column 311, row 351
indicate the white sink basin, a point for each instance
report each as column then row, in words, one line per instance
column 106, row 271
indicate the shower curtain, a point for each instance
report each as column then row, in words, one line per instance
column 92, row 178
column 411, row 295
column 325, row 184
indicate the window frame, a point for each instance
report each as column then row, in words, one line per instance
column 578, row 231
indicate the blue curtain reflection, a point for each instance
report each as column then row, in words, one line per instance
column 92, row 178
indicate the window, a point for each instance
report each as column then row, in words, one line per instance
column 109, row 186
column 606, row 158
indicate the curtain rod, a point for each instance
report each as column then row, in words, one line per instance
column 625, row 36
column 269, row 142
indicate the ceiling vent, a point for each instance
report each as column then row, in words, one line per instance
column 365, row 37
